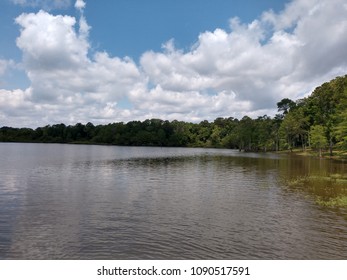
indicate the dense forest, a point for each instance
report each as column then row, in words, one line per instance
column 318, row 121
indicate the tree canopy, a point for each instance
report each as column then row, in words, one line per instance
column 319, row 121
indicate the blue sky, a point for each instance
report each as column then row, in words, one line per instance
column 156, row 21
column 107, row 61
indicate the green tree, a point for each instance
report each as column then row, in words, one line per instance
column 340, row 130
column 294, row 128
column 275, row 131
column 289, row 131
column 285, row 105
column 324, row 105
column 263, row 130
column 318, row 139
column 245, row 131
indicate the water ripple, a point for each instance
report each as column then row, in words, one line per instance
column 93, row 202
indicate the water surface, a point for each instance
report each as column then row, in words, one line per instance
column 107, row 202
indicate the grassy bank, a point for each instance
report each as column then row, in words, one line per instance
column 328, row 191
column 337, row 154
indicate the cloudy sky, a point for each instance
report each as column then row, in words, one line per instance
column 67, row 61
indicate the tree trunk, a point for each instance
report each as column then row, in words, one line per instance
column 331, row 146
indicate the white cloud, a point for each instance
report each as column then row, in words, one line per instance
column 16, row 109
column 50, row 42
column 186, row 105
column 67, row 85
column 80, row 4
column 260, row 63
column 236, row 72
column 13, row 99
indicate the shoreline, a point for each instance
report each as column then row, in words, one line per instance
column 337, row 154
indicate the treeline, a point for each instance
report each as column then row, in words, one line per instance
column 318, row 121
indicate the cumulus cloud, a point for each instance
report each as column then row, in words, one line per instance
column 50, row 42
column 80, row 5
column 13, row 104
column 16, row 99
column 186, row 105
column 276, row 56
column 66, row 84
column 236, row 72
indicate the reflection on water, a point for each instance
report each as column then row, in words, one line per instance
column 97, row 202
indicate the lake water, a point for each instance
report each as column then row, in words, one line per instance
column 108, row 202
